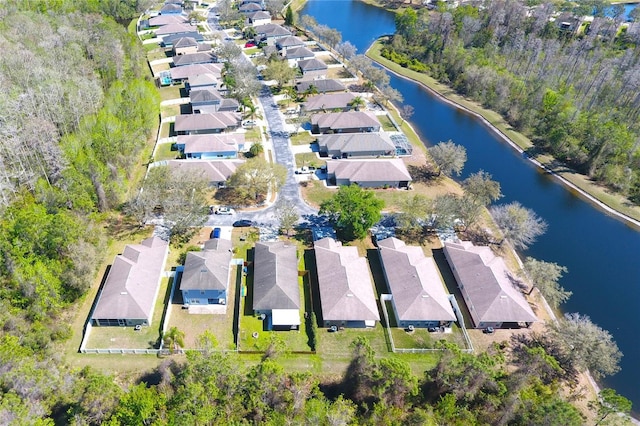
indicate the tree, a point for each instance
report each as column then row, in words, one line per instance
column 280, row 71
column 256, row 149
column 406, row 112
column 174, row 339
column 274, row 7
column 413, row 213
column 480, row 187
column 255, row 178
column 289, row 17
column 609, row 402
column 228, row 50
column 519, row 224
column 287, row 214
column 589, row 346
column 389, row 94
column 346, row 50
column 352, row 210
column 357, row 102
column 449, row 157
column 545, row 276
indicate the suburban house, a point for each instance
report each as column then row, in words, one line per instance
column 275, row 285
column 160, row 20
column 488, row 292
column 314, row 69
column 175, row 29
column 185, row 45
column 196, row 124
column 288, row 42
column 171, row 9
column 321, row 85
column 204, row 97
column 187, row 72
column 225, row 105
column 345, row 145
column 170, row 40
column 419, row 298
column 345, row 122
column 213, row 146
column 270, row 33
column 203, row 81
column 215, row 171
column 194, row 58
column 248, row 8
column 373, row 173
column 259, row 17
column 345, row 285
column 328, row 102
column 295, row 54
column 205, row 278
column 129, row 293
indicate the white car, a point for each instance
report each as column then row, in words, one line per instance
column 305, row 170
column 249, row 123
column 225, row 210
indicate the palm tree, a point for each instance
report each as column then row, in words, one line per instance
column 256, row 149
column 174, row 339
column 311, row 90
column 291, row 94
column 357, row 102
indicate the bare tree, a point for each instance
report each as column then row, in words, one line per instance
column 519, row 224
column 449, row 157
column 287, row 214
column 406, row 112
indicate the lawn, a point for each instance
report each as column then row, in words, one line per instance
column 170, row 111
column 340, row 72
column 253, row 134
column 166, row 151
column 165, row 131
column 386, row 123
column 194, row 325
column 170, row 92
column 315, row 192
column 158, row 68
column 127, row 337
column 308, row 159
column 302, row 138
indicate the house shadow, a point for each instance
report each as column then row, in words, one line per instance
column 422, row 173
column 248, row 299
column 184, row 93
column 186, row 109
column 379, row 282
column 451, row 284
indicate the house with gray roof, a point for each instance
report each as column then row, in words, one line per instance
column 215, row 171
column 175, row 29
column 346, row 145
column 212, row 146
column 288, row 42
column 418, row 294
column 486, row 287
column 328, row 102
column 129, row 293
column 194, row 58
column 179, row 74
column 205, row 277
column 160, row 20
column 170, row 40
column 275, row 285
column 225, row 105
column 314, row 69
column 203, row 81
column 269, row 33
column 295, row 54
column 185, row 45
column 321, row 85
column 171, row 9
column 248, row 8
column 196, row 124
column 345, row 122
column 370, row 173
column 345, row 285
column 258, row 17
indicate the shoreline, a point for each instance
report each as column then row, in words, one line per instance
column 592, row 199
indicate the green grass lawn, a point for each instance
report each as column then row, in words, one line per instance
column 253, row 134
column 302, row 138
column 165, row 152
column 127, row 337
column 170, row 92
column 165, row 130
column 170, row 111
column 386, row 123
column 308, row 159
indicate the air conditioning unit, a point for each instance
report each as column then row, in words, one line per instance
column 222, row 301
column 410, row 328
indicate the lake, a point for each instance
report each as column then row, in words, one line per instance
column 601, row 253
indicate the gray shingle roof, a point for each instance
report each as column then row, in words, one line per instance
column 211, row 142
column 322, row 86
column 208, row 269
column 271, row 30
column 206, row 79
column 346, row 289
column 370, row 170
column 315, row 64
column 345, row 120
column 193, row 58
column 185, row 42
column 160, row 20
column 298, row 52
column 482, row 276
column 188, row 71
column 213, row 121
column 275, row 282
column 356, row 142
column 414, row 282
column 204, row 95
column 289, row 42
column 328, row 101
column 130, row 289
column 175, row 29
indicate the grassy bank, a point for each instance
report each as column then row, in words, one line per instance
column 594, row 192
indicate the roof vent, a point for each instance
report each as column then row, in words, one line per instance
column 349, row 294
column 503, row 297
column 425, row 296
column 124, row 293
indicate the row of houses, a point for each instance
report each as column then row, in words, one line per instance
column 346, row 291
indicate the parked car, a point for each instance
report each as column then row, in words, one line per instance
column 249, row 123
column 225, row 210
column 249, row 44
column 489, row 330
column 215, row 233
column 242, row 223
column 304, row 170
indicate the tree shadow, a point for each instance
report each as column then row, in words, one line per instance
column 423, row 174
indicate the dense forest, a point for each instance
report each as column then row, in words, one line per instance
column 573, row 89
